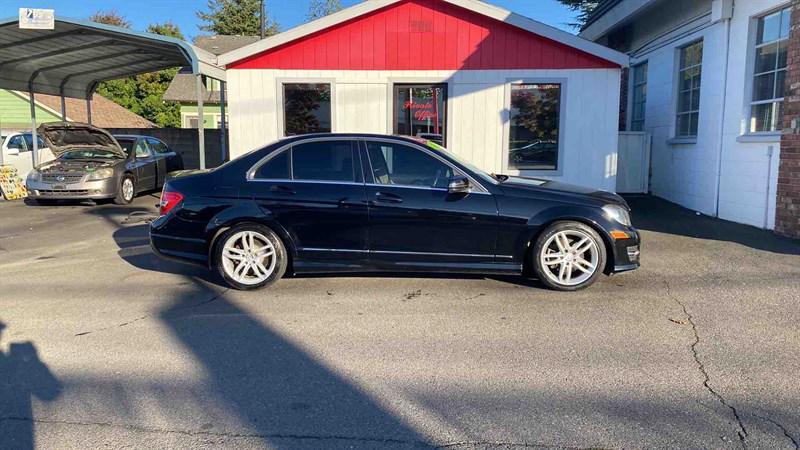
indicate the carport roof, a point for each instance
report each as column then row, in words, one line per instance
column 74, row 57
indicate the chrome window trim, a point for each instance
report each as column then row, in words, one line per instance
column 483, row 190
column 281, row 180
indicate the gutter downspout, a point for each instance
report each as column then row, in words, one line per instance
column 724, row 108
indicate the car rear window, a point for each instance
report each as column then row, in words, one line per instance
column 277, row 168
column 324, row 161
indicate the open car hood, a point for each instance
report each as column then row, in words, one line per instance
column 62, row 137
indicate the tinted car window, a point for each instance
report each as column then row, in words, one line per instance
column 277, row 168
column 29, row 141
column 16, row 143
column 323, row 161
column 407, row 166
column 142, row 151
column 157, row 146
column 127, row 145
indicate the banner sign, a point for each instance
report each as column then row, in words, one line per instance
column 37, row 19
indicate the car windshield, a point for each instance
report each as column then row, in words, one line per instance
column 477, row 171
column 127, row 145
column 89, row 154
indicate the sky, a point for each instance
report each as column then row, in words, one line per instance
column 288, row 13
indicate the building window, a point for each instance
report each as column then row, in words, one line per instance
column 421, row 110
column 691, row 61
column 306, row 108
column 639, row 97
column 534, row 126
column 769, row 73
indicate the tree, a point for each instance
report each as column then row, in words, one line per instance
column 584, row 8
column 236, row 17
column 143, row 94
column 166, row 29
column 321, row 8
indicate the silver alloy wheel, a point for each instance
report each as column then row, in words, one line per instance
column 569, row 257
column 127, row 189
column 248, row 257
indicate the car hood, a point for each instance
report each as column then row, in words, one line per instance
column 523, row 185
column 62, row 137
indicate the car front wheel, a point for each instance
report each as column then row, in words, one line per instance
column 569, row 256
column 250, row 257
column 126, row 191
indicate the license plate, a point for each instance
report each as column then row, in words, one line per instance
column 59, row 187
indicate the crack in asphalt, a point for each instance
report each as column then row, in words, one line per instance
column 215, row 297
column 290, row 436
column 785, row 431
column 742, row 433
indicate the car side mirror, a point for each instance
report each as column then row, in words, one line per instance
column 459, row 185
column 13, row 151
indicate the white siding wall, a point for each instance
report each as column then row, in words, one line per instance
column 688, row 173
column 477, row 112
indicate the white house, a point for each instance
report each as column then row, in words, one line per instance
column 509, row 94
column 707, row 81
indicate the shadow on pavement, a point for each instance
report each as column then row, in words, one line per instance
column 276, row 389
column 23, row 376
column 656, row 214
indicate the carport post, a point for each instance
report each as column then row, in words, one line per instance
column 35, row 152
column 89, row 108
column 63, row 109
column 223, row 125
column 201, row 138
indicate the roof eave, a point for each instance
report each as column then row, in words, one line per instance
column 618, row 15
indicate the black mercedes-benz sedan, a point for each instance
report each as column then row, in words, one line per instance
column 371, row 203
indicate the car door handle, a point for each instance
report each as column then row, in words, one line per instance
column 282, row 190
column 387, row 198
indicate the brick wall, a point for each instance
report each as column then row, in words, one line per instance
column 787, row 214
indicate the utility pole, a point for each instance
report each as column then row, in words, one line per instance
column 263, row 21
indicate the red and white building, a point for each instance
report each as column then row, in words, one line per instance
column 508, row 93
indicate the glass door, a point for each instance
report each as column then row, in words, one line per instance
column 421, row 110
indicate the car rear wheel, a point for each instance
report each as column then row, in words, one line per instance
column 126, row 191
column 569, row 256
column 250, row 257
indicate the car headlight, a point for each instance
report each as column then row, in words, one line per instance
column 618, row 213
column 34, row 176
column 101, row 174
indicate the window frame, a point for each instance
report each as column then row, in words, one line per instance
column 632, row 99
column 677, row 137
column 417, row 85
column 562, row 126
column 280, row 107
column 750, row 74
column 355, row 144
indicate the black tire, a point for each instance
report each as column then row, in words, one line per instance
column 278, row 269
column 121, row 198
column 548, row 276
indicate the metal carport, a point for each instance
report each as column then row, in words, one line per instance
column 74, row 57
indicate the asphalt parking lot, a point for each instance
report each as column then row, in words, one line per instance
column 104, row 345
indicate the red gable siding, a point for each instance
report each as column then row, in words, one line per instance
column 423, row 35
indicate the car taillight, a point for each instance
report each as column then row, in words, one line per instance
column 169, row 200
